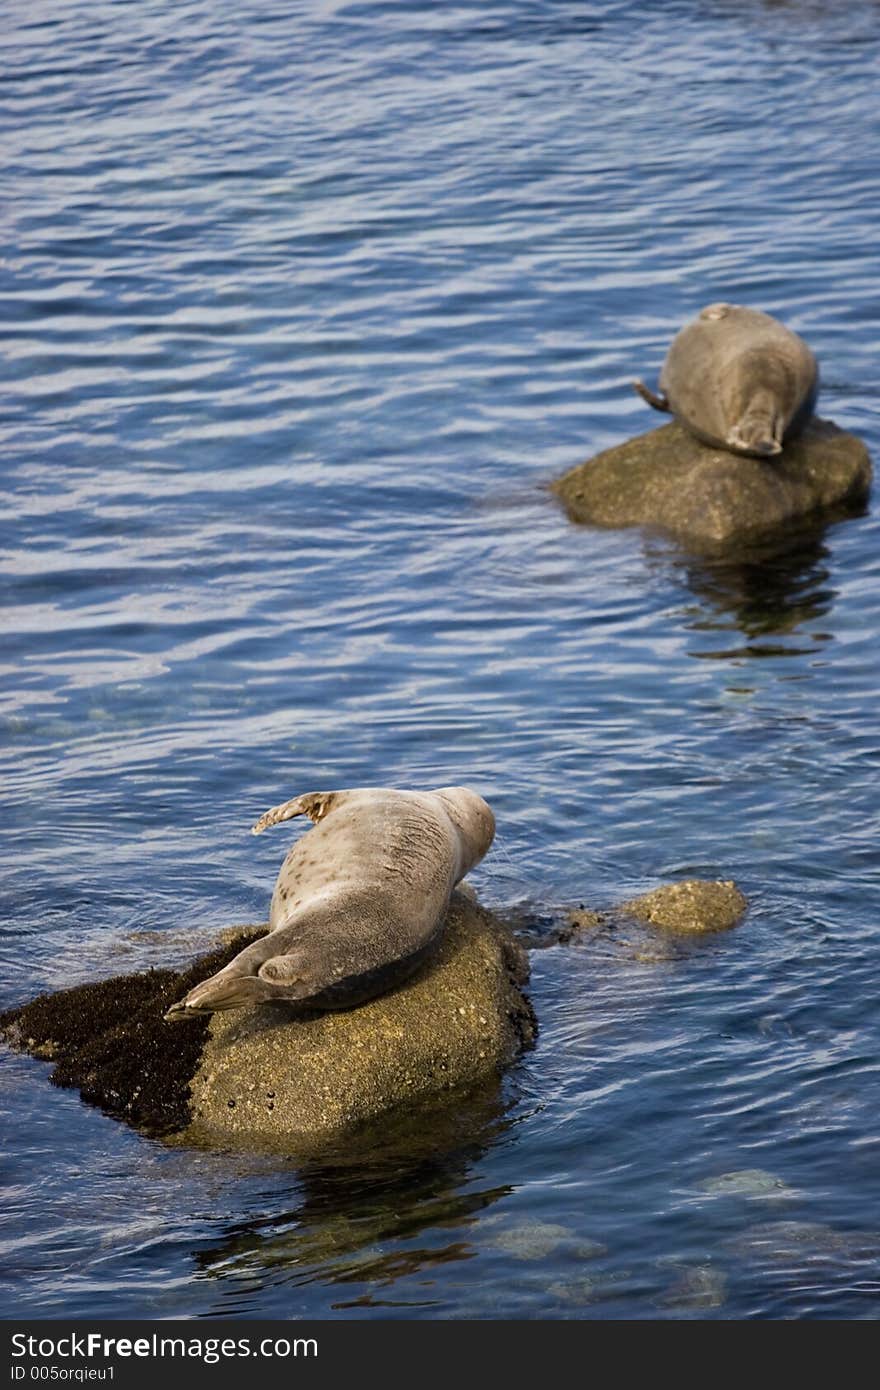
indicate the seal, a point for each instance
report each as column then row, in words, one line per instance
column 738, row 380
column 359, row 901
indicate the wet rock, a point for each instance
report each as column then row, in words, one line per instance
column 667, row 479
column 693, row 905
column 110, row 1042
column 581, row 921
column 689, row 907
column 260, row 1074
column 305, row 1080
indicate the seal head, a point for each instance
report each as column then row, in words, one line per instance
column 474, row 821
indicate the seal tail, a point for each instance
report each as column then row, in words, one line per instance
column 315, row 805
column 659, row 402
column 759, row 430
column 281, row 977
column 221, row 992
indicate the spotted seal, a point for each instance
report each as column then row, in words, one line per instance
column 359, row 900
column 738, row 380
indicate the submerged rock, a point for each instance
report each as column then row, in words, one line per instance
column 578, row 1291
column 697, row 1286
column 535, row 1240
column 748, row 1182
column 792, row 1242
column 668, row 480
column 270, row 1073
column 530, row 1240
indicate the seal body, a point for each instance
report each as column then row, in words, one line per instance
column 359, row 900
column 738, row 380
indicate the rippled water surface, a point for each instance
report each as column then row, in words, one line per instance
column 304, row 305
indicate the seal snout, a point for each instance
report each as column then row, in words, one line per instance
column 474, row 820
column 758, row 433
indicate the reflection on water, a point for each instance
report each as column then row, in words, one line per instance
column 765, row 590
column 377, row 1210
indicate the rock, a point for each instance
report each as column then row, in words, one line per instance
column 535, row 1240
column 580, row 921
column 576, row 1291
column 693, row 905
column 252, row 1075
column 306, row 1081
column 748, row 1182
column 109, row 1040
column 697, row 1286
column 689, row 907
column 530, row 1240
column 667, row 479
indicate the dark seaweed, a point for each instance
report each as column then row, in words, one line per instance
column 109, row 1040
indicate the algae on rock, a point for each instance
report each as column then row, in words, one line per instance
column 272, row 1073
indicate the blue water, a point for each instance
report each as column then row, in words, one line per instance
column 304, row 305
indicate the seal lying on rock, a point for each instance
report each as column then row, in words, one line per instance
column 737, row 379
column 359, row 900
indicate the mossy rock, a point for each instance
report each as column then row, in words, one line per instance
column 666, row 479
column 294, row 1078
column 109, row 1040
column 693, row 905
column 690, row 907
column 306, row 1081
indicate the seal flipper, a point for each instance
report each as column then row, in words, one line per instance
column 235, row 986
column 758, row 430
column 315, row 805
column 659, row 402
column 220, row 992
column 278, row 979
